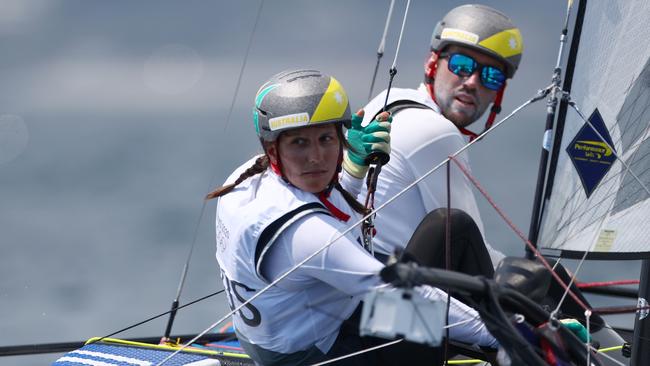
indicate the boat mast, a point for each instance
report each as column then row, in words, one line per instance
column 555, row 92
column 641, row 340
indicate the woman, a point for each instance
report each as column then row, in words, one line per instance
column 278, row 209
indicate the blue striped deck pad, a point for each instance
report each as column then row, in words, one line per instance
column 100, row 354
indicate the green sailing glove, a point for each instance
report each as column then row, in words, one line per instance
column 577, row 328
column 373, row 138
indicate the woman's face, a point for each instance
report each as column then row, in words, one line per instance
column 308, row 156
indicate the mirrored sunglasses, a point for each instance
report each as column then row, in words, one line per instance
column 464, row 66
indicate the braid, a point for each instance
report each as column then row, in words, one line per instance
column 260, row 165
column 356, row 205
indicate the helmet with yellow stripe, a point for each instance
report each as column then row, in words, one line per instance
column 481, row 28
column 299, row 98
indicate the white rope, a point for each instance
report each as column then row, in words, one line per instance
column 186, row 265
column 401, row 33
column 588, row 343
column 460, row 322
column 380, row 49
column 382, row 43
column 359, row 352
column 568, row 285
column 243, row 66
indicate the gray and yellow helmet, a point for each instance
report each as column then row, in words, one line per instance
column 481, row 28
column 299, row 98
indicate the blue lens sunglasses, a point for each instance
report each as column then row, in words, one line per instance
column 464, row 66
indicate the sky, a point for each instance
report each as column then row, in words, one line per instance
column 114, row 123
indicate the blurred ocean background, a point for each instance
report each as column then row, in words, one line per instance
column 114, row 125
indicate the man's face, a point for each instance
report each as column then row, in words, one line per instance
column 463, row 99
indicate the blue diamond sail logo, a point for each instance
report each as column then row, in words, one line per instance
column 591, row 156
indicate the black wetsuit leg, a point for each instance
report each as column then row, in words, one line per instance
column 468, row 252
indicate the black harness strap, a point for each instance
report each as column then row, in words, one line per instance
column 399, row 105
column 270, row 233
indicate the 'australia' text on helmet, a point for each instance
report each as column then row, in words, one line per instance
column 299, row 98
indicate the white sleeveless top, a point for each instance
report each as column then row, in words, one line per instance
column 264, row 227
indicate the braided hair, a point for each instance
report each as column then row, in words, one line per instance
column 260, row 165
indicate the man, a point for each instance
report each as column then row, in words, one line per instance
column 474, row 49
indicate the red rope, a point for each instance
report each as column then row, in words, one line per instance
column 607, row 283
column 519, row 233
column 619, row 309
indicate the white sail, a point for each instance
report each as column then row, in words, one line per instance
column 595, row 204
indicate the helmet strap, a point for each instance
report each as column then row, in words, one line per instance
column 276, row 169
column 496, row 107
column 277, row 166
column 494, row 110
column 472, row 135
column 430, row 69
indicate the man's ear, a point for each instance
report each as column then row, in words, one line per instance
column 430, row 66
column 433, row 57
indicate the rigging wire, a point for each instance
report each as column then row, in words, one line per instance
column 158, row 316
column 447, row 260
column 588, row 342
column 243, row 66
column 568, row 287
column 380, row 49
column 360, row 352
column 380, row 158
column 181, row 284
column 393, row 68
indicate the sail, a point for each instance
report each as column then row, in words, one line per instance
column 597, row 198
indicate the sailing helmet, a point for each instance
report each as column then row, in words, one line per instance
column 481, row 28
column 299, row 98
